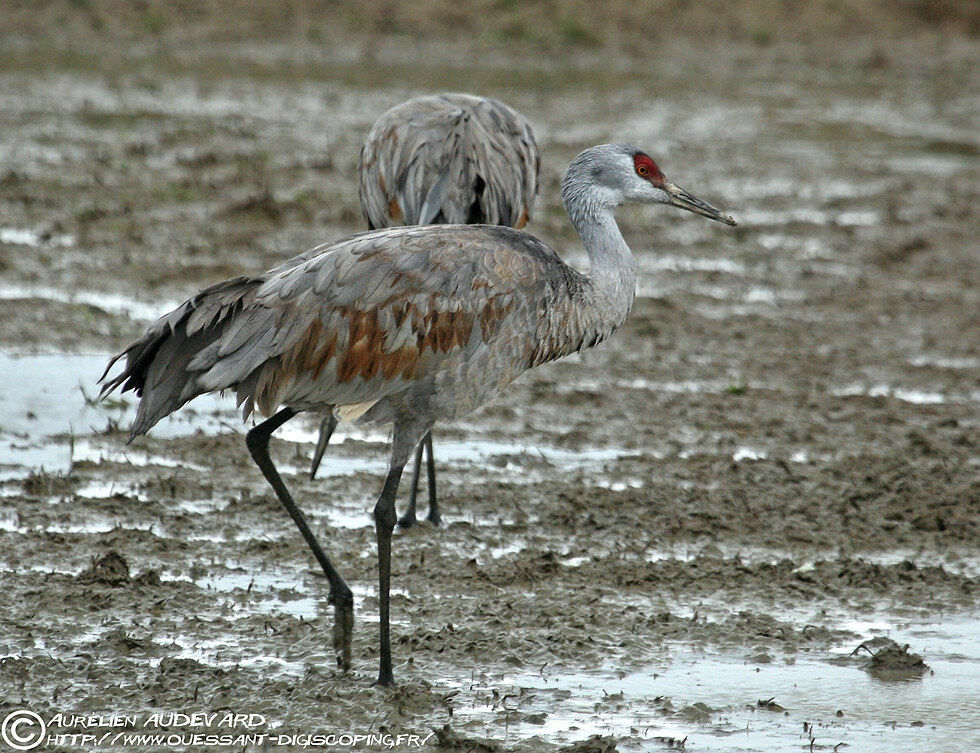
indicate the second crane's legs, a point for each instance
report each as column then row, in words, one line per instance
column 409, row 519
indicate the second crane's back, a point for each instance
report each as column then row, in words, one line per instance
column 449, row 158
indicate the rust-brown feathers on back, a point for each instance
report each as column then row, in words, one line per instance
column 439, row 301
column 400, row 329
column 360, row 320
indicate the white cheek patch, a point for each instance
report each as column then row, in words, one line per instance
column 610, row 196
column 647, row 192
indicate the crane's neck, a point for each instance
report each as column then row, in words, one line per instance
column 612, row 268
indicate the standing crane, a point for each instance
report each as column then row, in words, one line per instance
column 443, row 159
column 407, row 325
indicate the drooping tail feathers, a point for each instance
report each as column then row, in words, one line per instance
column 158, row 365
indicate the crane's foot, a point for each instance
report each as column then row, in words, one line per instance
column 343, row 626
column 386, row 679
column 408, row 519
column 434, row 517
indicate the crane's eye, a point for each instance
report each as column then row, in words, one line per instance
column 645, row 168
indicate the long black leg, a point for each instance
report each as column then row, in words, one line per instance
column 341, row 597
column 434, row 516
column 408, row 519
column 405, row 437
column 384, row 523
column 327, row 426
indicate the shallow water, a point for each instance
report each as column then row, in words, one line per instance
column 52, row 398
column 107, row 302
column 52, row 406
column 842, row 705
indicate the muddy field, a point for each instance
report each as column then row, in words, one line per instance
column 677, row 540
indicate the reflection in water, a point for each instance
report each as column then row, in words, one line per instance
column 714, row 702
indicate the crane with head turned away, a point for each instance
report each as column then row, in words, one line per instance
column 443, row 159
column 404, row 326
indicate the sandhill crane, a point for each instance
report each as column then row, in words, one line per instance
column 443, row 159
column 405, row 325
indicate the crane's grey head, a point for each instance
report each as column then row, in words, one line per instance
column 614, row 174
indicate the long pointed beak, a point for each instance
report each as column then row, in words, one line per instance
column 682, row 199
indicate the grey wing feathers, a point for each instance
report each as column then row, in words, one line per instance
column 156, row 364
column 357, row 321
column 449, row 158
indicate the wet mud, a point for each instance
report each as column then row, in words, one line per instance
column 677, row 540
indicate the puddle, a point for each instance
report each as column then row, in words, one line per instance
column 474, row 451
column 915, row 396
column 229, row 654
column 201, row 506
column 687, row 386
column 622, row 485
column 281, row 591
column 50, row 399
column 668, row 263
column 25, row 237
column 12, row 525
column 718, row 386
column 107, row 489
column 286, row 591
column 734, row 295
column 351, row 518
column 946, row 362
column 935, row 712
column 748, row 453
column 514, row 460
column 308, row 431
column 111, row 303
column 959, row 561
column 450, row 452
column 810, row 216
